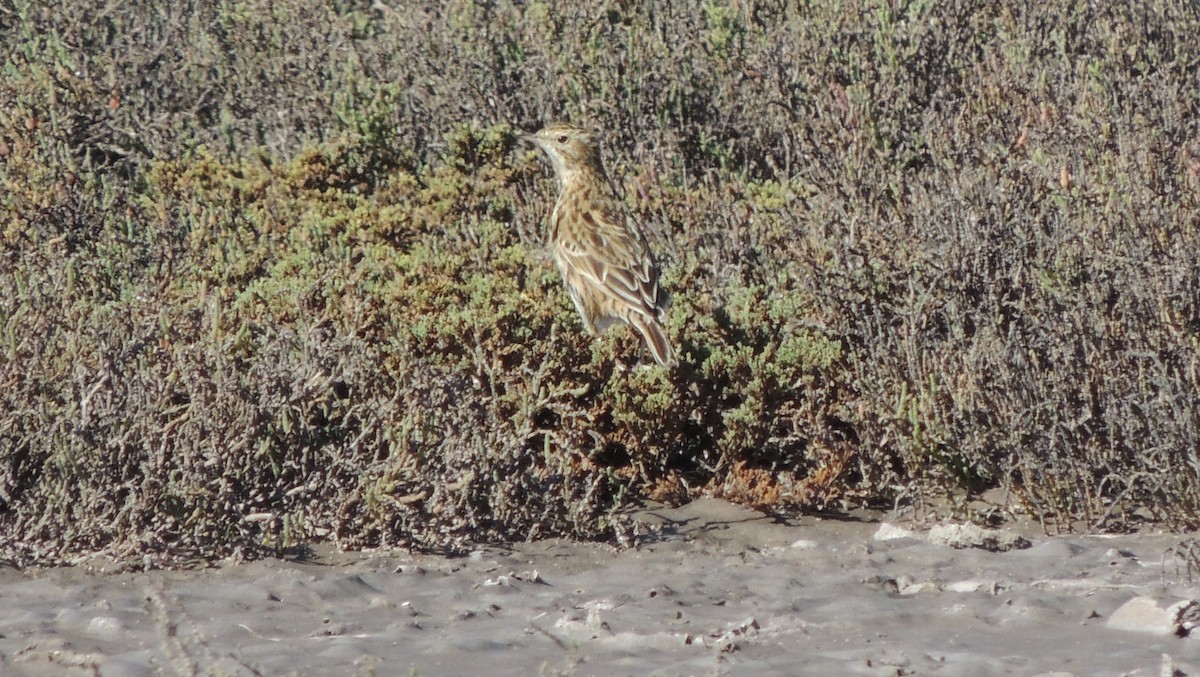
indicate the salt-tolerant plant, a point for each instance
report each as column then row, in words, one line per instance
column 273, row 274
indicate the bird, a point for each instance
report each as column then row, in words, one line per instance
column 606, row 264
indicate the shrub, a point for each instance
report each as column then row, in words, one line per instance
column 273, row 274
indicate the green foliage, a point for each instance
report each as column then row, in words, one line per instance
column 273, row 273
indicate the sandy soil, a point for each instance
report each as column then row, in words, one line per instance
column 720, row 591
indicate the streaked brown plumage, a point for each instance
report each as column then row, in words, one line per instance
column 605, row 262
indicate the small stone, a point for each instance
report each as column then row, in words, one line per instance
column 908, row 587
column 972, row 586
column 1146, row 614
column 960, row 536
column 105, row 627
column 890, row 532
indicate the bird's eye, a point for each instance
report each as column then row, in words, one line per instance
column 562, row 138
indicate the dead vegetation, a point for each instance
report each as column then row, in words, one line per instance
column 271, row 274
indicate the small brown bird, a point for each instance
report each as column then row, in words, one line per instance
column 605, row 262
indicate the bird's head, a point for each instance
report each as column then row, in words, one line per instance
column 570, row 149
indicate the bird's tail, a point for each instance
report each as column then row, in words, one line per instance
column 656, row 340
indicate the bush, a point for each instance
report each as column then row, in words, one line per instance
column 273, row 274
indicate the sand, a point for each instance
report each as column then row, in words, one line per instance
column 721, row 590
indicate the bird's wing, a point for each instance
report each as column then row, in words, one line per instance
column 608, row 252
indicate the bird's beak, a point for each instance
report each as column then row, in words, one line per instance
column 529, row 138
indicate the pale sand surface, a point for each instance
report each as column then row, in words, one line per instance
column 722, row 590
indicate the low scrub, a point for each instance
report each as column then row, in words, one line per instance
column 273, row 275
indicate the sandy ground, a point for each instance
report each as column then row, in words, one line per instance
column 721, row 590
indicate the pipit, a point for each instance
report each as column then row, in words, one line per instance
column 605, row 262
